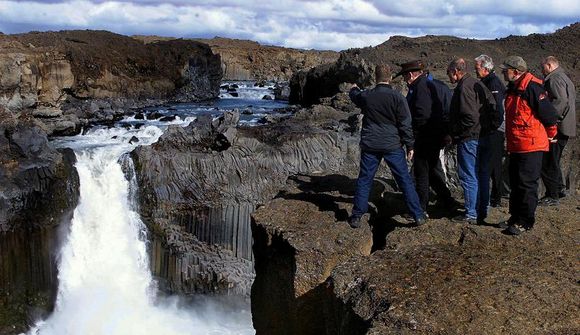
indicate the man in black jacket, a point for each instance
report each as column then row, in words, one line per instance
column 386, row 128
column 495, row 137
column 430, row 124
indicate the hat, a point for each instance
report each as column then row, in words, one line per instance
column 416, row 65
column 514, row 62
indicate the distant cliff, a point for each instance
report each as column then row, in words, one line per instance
column 249, row 60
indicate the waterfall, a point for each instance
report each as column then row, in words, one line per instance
column 105, row 285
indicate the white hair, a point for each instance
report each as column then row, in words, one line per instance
column 486, row 62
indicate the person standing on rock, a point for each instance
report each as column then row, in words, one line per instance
column 562, row 94
column 385, row 130
column 430, row 125
column 496, row 138
column 471, row 106
column 530, row 126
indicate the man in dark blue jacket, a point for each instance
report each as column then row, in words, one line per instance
column 430, row 125
column 386, row 129
column 495, row 137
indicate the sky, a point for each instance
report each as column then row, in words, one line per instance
column 322, row 25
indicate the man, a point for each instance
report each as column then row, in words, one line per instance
column 496, row 138
column 530, row 125
column 562, row 94
column 430, row 124
column 386, row 128
column 468, row 108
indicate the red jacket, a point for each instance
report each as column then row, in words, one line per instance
column 530, row 117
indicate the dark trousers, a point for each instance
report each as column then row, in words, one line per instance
column 397, row 162
column 496, row 142
column 429, row 173
column 551, row 171
column 524, row 173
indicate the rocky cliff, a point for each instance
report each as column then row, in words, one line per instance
column 69, row 78
column 357, row 65
column 201, row 183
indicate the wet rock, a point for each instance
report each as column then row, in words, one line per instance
column 133, row 139
column 267, row 97
column 38, row 192
column 168, row 118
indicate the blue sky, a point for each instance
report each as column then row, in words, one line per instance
column 332, row 24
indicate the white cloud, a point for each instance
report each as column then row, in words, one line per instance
column 331, row 24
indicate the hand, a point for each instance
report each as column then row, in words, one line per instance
column 410, row 154
column 447, row 140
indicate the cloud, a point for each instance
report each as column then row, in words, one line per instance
column 331, row 24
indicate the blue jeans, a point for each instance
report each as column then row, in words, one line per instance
column 396, row 160
column 484, row 156
column 467, row 170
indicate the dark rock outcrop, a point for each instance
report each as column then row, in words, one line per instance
column 38, row 192
column 206, row 179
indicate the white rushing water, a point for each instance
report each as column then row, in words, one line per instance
column 105, row 285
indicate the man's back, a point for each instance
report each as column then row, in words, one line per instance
column 387, row 120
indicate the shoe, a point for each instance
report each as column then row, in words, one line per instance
column 464, row 219
column 421, row 221
column 354, row 221
column 549, row 201
column 563, row 194
column 504, row 224
column 516, row 229
column 482, row 222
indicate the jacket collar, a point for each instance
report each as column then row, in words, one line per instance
column 557, row 70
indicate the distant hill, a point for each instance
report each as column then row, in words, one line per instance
column 356, row 65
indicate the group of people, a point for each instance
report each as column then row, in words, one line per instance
column 531, row 117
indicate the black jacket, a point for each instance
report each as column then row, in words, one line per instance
column 429, row 119
column 497, row 88
column 387, row 120
column 470, row 102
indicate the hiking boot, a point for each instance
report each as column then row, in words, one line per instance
column 549, row 201
column 421, row 221
column 464, row 219
column 516, row 229
column 354, row 221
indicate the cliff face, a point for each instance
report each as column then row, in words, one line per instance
column 357, row 65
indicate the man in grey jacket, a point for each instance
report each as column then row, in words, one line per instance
column 562, row 93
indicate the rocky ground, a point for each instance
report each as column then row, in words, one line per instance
column 440, row 278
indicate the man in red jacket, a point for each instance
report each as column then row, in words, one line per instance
column 530, row 126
